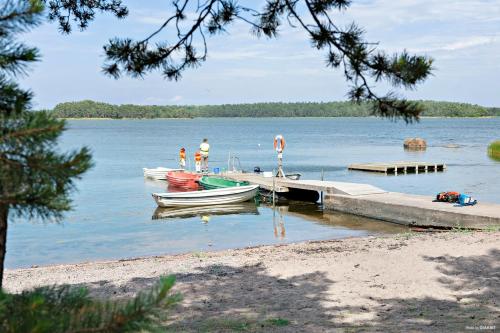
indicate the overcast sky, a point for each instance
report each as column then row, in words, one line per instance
column 463, row 36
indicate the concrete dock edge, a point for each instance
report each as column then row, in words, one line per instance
column 384, row 207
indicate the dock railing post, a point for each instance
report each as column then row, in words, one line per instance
column 274, row 188
column 322, row 179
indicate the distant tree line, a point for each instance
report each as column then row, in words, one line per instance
column 494, row 111
column 91, row 109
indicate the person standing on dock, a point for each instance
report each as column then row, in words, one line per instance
column 182, row 158
column 197, row 161
column 204, row 149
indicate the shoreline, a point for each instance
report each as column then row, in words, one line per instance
column 250, row 117
column 411, row 282
column 105, row 261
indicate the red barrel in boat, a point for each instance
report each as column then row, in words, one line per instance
column 185, row 180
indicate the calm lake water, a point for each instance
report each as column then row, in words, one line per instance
column 115, row 216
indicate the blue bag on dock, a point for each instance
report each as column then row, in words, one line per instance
column 466, row 200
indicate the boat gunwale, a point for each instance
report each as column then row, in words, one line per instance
column 187, row 176
column 224, row 182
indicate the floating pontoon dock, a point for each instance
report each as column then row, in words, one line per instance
column 399, row 167
column 370, row 201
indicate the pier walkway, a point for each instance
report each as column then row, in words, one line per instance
column 370, row 201
column 283, row 185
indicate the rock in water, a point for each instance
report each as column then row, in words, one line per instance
column 415, row 144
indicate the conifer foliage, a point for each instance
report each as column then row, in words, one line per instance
column 35, row 178
column 66, row 309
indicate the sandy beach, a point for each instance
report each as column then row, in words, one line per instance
column 412, row 282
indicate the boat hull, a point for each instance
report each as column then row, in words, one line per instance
column 183, row 180
column 158, row 173
column 207, row 197
column 293, row 176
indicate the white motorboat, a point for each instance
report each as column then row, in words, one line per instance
column 208, row 197
column 293, row 176
column 158, row 173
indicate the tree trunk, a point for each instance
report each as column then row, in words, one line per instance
column 4, row 213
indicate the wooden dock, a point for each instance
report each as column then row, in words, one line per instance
column 370, row 201
column 399, row 167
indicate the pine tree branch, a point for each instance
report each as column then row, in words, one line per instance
column 362, row 66
column 82, row 12
column 19, row 16
column 67, row 309
column 31, row 132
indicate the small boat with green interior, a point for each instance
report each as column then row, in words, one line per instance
column 211, row 183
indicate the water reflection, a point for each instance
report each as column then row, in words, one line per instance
column 313, row 212
column 204, row 212
column 155, row 183
column 279, row 222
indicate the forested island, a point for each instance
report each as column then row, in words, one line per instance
column 91, row 109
